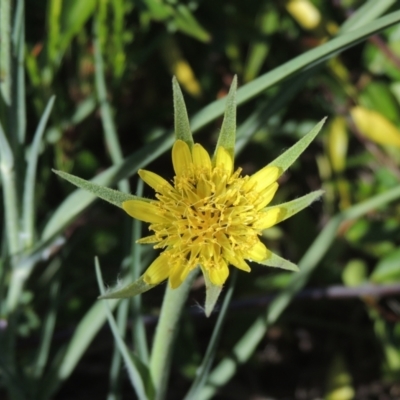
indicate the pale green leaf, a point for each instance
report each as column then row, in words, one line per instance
column 137, row 371
column 212, row 294
column 28, row 211
column 137, row 287
column 278, row 262
column 285, row 160
column 112, row 196
column 227, row 136
column 292, row 207
column 5, row 50
column 182, row 127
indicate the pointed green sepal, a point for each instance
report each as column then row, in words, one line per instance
column 285, row 160
column 227, row 136
column 212, row 294
column 278, row 262
column 286, row 210
column 133, row 289
column 112, row 196
column 182, row 126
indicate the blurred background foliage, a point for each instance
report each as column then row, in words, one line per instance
column 109, row 65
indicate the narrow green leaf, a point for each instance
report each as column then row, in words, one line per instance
column 109, row 128
column 187, row 23
column 285, row 160
column 77, row 201
column 28, row 210
column 53, row 27
column 133, row 289
column 204, row 369
column 158, row 10
column 11, row 213
column 212, row 294
column 278, row 262
column 166, row 332
column 227, row 136
column 74, row 15
column 5, row 50
column 367, row 12
column 182, row 126
column 18, row 110
column 137, row 371
column 292, row 207
column 112, row 196
column 6, row 155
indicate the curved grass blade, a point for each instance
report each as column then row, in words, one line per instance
column 137, row 371
column 203, row 370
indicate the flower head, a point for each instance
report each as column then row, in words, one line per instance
column 210, row 215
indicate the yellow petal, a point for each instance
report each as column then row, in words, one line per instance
column 237, row 261
column 158, row 183
column 224, row 160
column 158, row 271
column 178, row 275
column 269, row 218
column 267, row 195
column 143, row 211
column 181, row 157
column 258, row 252
column 218, row 275
column 200, row 157
column 263, row 178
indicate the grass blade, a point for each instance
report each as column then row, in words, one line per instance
column 136, row 370
column 28, row 204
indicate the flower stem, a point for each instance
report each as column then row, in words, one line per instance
column 166, row 331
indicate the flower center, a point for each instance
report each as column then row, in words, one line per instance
column 209, row 215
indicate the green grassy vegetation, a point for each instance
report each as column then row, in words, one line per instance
column 85, row 88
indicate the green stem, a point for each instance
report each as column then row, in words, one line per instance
column 110, row 131
column 166, row 331
column 138, row 328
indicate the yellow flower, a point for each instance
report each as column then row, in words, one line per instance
column 210, row 217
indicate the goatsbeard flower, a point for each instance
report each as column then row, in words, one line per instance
column 209, row 216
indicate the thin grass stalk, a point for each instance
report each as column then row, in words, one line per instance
column 166, row 331
column 116, row 360
column 28, row 203
column 138, row 328
column 48, row 327
column 18, row 109
column 5, row 51
column 204, row 369
column 110, row 131
column 136, row 371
